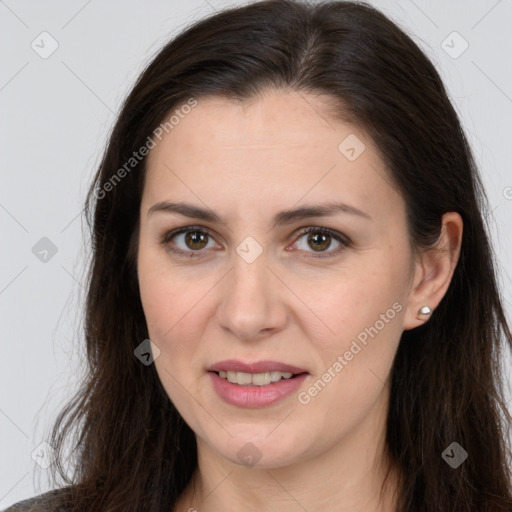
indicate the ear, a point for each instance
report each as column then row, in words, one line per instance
column 433, row 271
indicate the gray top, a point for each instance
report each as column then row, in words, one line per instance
column 36, row 504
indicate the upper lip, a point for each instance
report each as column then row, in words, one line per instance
column 234, row 365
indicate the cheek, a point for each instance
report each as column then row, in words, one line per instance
column 166, row 295
column 163, row 303
column 168, row 308
column 345, row 304
column 364, row 311
column 173, row 302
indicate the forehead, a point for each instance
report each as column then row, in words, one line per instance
column 279, row 147
column 276, row 119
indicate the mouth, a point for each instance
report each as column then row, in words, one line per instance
column 254, row 385
column 256, row 379
column 259, row 373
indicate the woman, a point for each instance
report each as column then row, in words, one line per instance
column 292, row 302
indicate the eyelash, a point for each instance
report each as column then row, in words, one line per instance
column 344, row 241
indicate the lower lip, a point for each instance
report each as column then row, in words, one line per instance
column 255, row 396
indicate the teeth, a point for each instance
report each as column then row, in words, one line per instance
column 255, row 379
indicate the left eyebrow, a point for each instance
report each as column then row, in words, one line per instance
column 281, row 218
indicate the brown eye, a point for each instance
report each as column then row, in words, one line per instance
column 196, row 240
column 319, row 240
column 187, row 241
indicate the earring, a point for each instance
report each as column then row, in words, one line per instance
column 425, row 310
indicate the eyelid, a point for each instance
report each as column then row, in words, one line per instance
column 344, row 240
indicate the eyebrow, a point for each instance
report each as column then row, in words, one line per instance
column 280, row 218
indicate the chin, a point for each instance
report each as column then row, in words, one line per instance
column 261, row 451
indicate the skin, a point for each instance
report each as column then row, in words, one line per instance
column 247, row 161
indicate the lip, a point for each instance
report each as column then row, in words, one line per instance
column 233, row 365
column 252, row 397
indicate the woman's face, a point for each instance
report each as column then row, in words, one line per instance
column 253, row 288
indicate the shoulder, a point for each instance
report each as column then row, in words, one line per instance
column 40, row 503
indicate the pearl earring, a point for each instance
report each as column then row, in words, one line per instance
column 425, row 310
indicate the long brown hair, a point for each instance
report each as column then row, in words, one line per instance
column 131, row 449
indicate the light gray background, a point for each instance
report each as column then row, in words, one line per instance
column 56, row 114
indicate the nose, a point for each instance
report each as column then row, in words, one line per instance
column 251, row 300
